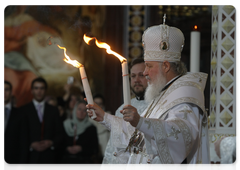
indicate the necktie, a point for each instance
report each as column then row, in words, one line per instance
column 6, row 116
column 4, row 119
column 39, row 110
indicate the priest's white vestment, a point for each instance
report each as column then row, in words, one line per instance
column 230, row 153
column 175, row 130
column 110, row 151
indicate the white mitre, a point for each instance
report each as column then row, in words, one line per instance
column 162, row 43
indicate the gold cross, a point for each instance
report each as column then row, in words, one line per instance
column 131, row 141
column 174, row 133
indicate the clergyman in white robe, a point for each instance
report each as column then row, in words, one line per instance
column 110, row 152
column 175, row 130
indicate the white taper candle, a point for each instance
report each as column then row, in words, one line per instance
column 126, row 86
column 195, row 51
column 87, row 89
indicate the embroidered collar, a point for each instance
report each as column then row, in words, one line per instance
column 170, row 82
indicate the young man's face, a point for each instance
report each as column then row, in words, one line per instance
column 7, row 93
column 138, row 80
column 39, row 91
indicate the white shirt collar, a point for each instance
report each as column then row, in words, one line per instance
column 9, row 106
column 36, row 103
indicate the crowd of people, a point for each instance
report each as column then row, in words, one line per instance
column 52, row 129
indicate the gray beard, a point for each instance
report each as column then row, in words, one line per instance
column 153, row 90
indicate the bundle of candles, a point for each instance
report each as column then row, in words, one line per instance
column 86, row 87
column 125, row 74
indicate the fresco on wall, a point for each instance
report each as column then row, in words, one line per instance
column 30, row 37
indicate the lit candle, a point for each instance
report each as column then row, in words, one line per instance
column 83, row 75
column 125, row 74
column 126, row 86
column 86, row 88
column 195, row 50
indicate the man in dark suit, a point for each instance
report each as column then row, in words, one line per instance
column 42, row 130
column 11, row 127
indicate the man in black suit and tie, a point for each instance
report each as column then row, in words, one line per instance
column 11, row 127
column 42, row 128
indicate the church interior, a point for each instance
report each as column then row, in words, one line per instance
column 32, row 33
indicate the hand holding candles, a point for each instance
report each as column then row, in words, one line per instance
column 83, row 75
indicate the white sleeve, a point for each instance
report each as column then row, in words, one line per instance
column 121, row 130
column 117, row 113
column 175, row 136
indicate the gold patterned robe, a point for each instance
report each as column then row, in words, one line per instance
column 176, row 129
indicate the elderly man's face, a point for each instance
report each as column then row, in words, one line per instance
column 156, row 80
column 151, row 71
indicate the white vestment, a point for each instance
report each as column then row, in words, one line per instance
column 103, row 135
column 109, row 157
column 230, row 153
column 175, row 130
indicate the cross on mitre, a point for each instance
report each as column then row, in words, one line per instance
column 164, row 19
column 174, row 133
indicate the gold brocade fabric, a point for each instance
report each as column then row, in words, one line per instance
column 137, row 139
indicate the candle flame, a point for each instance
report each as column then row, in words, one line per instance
column 67, row 59
column 195, row 27
column 104, row 45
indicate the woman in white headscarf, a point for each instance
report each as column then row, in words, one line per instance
column 80, row 141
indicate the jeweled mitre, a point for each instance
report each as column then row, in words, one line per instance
column 162, row 43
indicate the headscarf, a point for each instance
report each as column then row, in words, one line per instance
column 81, row 126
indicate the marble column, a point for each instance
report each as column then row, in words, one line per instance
column 224, row 119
